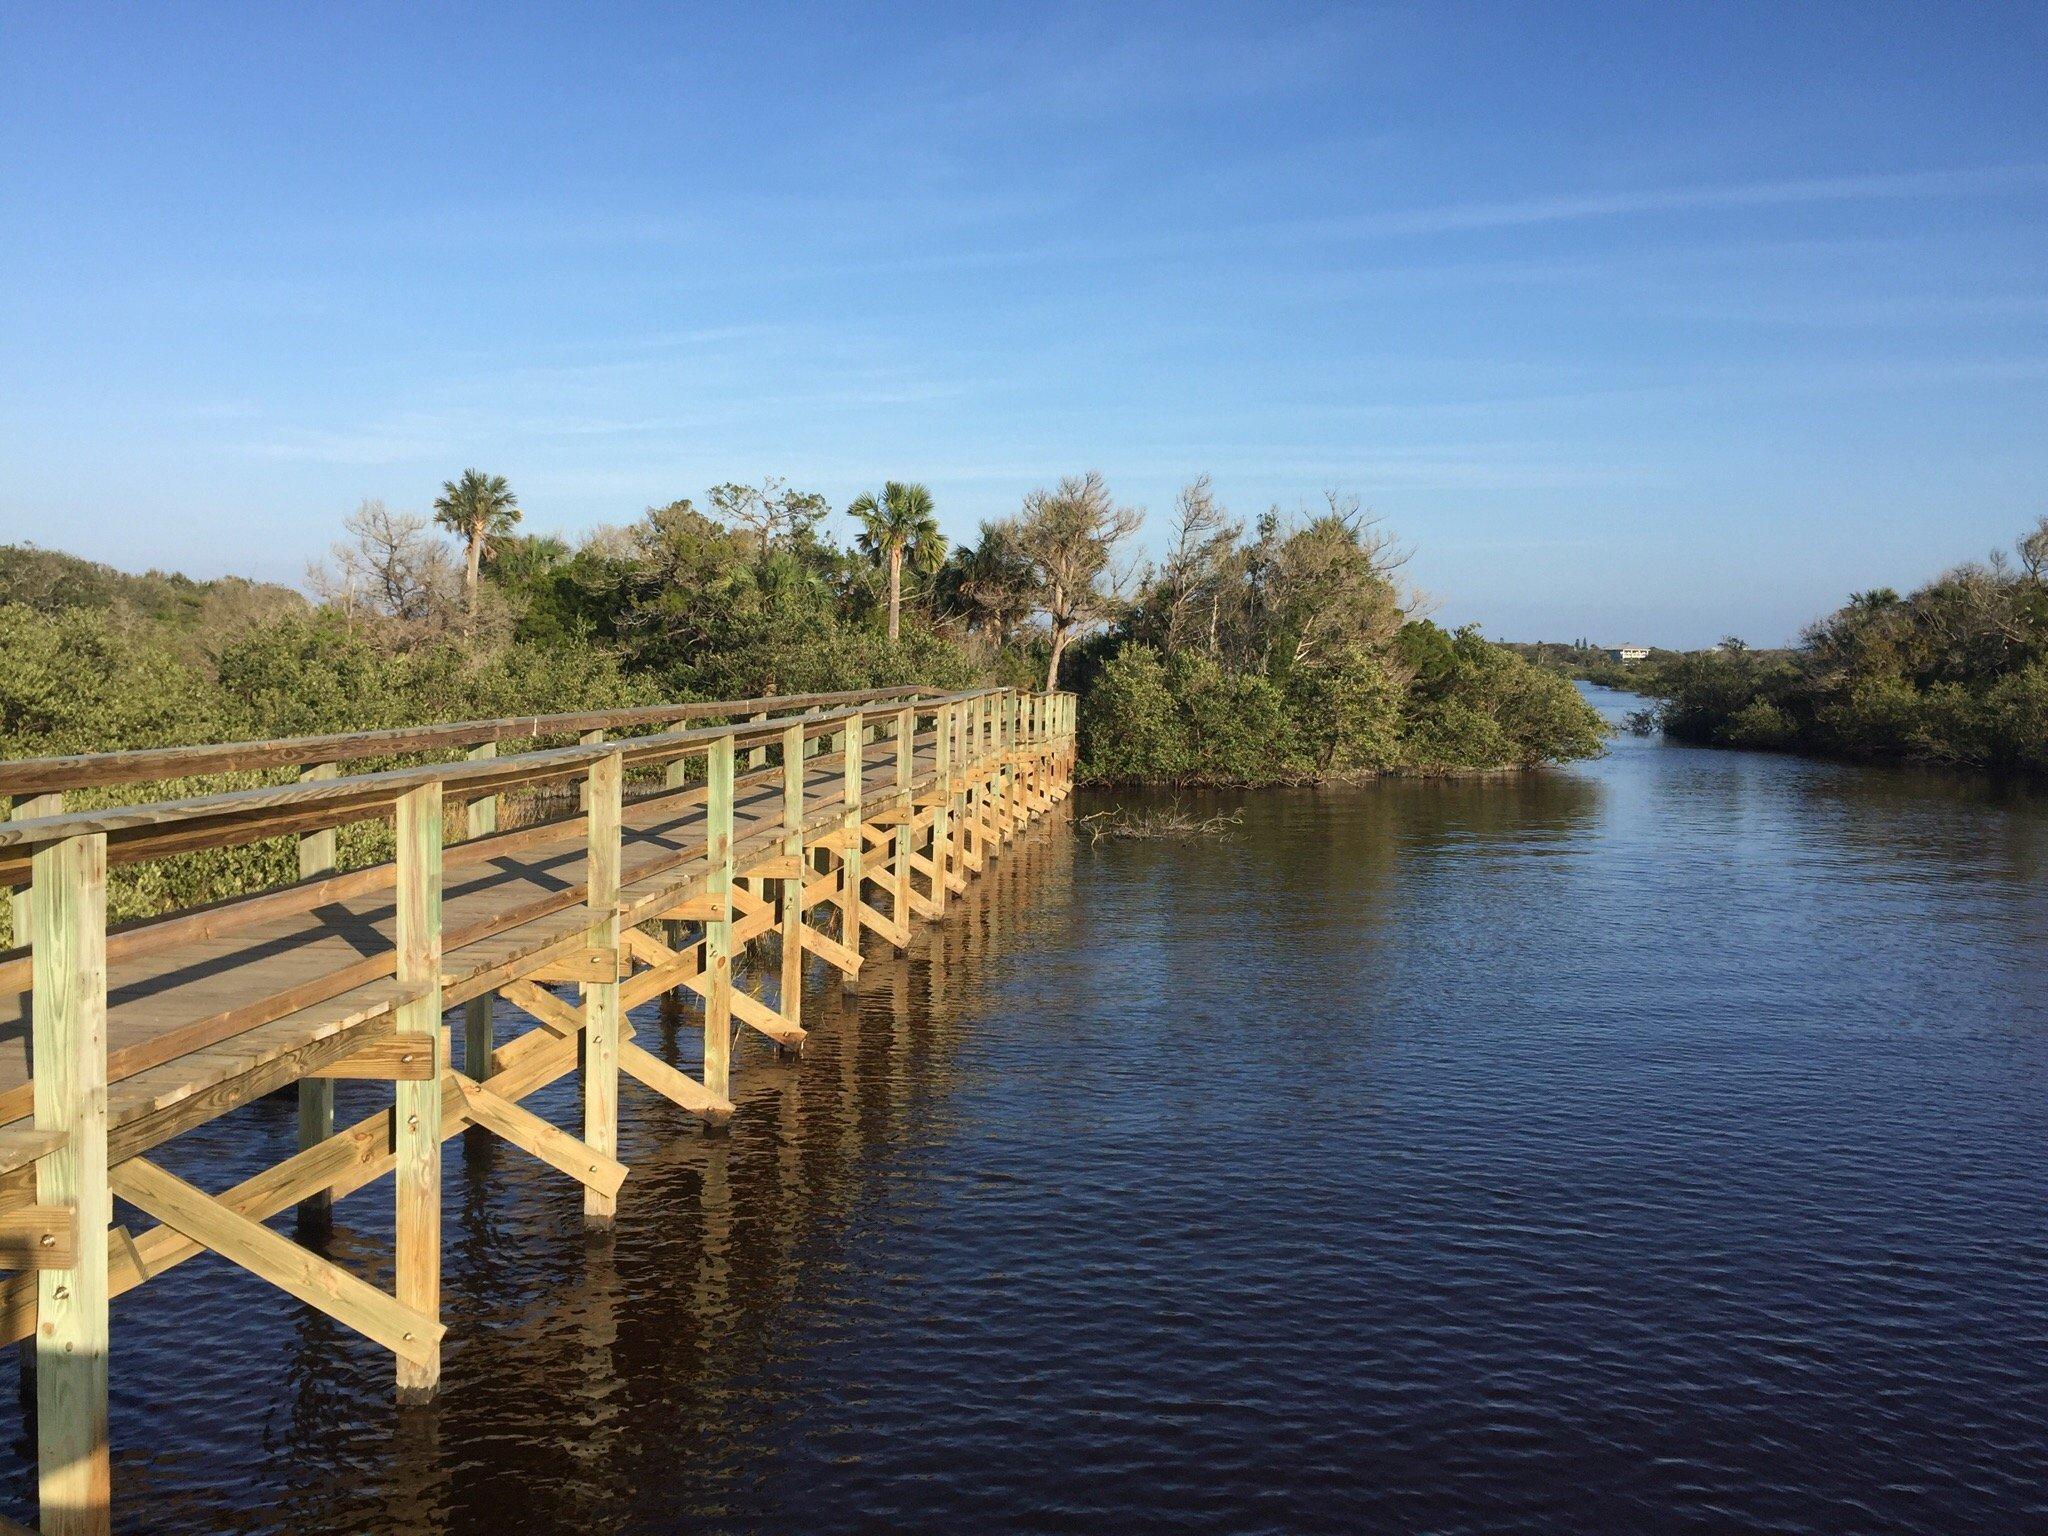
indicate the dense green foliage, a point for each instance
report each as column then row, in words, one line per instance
column 1287, row 656
column 1954, row 673
column 1283, row 656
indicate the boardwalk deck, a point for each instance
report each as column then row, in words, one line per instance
column 857, row 812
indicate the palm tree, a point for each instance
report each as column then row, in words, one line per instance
column 476, row 509
column 899, row 525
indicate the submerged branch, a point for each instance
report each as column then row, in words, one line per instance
column 1155, row 825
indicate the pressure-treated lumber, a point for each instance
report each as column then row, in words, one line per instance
column 718, row 940
column 413, row 1334
column 345, row 973
column 39, row 1237
column 316, row 1094
column 68, row 924
column 596, row 1170
column 602, row 1015
column 418, row 1108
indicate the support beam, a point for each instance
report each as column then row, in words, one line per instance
column 524, row 1129
column 39, row 1237
column 418, row 1111
column 414, row 1335
column 603, row 792
column 650, row 1071
column 68, row 938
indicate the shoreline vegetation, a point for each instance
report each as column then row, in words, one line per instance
column 1278, row 654
column 1953, row 674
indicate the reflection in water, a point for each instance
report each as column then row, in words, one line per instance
column 1651, row 1146
column 586, row 1374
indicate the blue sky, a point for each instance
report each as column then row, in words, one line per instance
column 1646, row 322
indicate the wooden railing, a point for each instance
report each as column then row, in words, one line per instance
column 91, row 1109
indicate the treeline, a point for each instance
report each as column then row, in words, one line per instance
column 1287, row 652
column 1587, row 662
column 1280, row 653
column 1954, row 673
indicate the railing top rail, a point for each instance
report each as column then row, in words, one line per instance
column 143, row 765
column 243, row 814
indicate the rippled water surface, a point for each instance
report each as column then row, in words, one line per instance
column 1653, row 1146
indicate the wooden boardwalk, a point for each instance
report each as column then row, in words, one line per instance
column 801, row 821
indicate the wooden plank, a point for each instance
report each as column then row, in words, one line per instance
column 679, row 1088
column 39, row 1237
column 563, row 1018
column 417, row 1113
column 346, row 1162
column 68, row 927
column 155, row 764
column 391, row 1059
column 591, row 964
column 754, row 1013
column 22, row 1143
column 527, row 1131
column 830, row 950
column 408, row 1332
column 602, row 1014
column 896, row 933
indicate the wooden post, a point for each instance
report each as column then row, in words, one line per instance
column 316, row 1094
column 792, row 999
column 603, row 794
column 999, row 745
column 942, row 776
column 418, row 1112
column 587, row 739
column 851, row 862
column 477, row 1045
column 970, row 830
column 718, row 929
column 899, row 882
column 757, row 757
column 18, row 910
column 68, row 922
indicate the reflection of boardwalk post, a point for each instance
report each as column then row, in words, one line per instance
column 714, row 1272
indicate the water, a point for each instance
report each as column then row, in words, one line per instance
column 1653, row 1145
